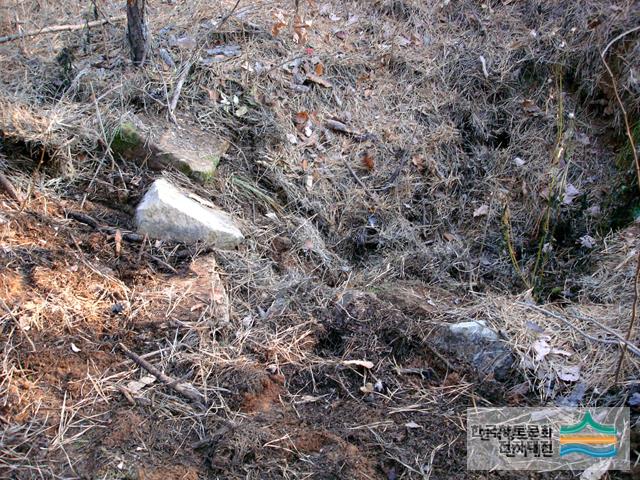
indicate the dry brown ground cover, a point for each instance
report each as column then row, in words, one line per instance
column 483, row 144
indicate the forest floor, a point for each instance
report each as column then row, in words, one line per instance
column 396, row 166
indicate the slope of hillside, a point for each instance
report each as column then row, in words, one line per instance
column 395, row 166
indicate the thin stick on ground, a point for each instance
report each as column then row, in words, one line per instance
column 61, row 28
column 6, row 185
column 185, row 389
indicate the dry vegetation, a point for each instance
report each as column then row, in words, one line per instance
column 485, row 175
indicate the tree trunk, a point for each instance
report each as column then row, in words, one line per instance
column 137, row 31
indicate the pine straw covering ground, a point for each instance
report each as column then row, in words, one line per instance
column 484, row 175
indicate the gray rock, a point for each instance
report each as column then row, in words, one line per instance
column 476, row 329
column 150, row 142
column 479, row 345
column 167, row 213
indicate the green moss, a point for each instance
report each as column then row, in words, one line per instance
column 126, row 138
column 215, row 161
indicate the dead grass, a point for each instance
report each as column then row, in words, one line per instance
column 462, row 108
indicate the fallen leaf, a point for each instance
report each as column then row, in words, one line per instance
column 214, row 96
column 368, row 161
column 533, row 326
column 308, row 399
column 481, row 210
column 559, row 351
column 197, row 306
column 412, row 425
column 341, row 34
column 449, row 237
column 312, row 77
column 301, row 119
column 352, row 19
column 569, row 373
column 312, row 140
column 299, row 30
column 359, row 363
column 279, row 25
column 277, row 28
column 134, row 386
column 570, row 193
column 541, row 349
column 418, row 162
column 402, row 41
column 241, row 111
column 587, row 241
column 319, row 69
column 594, row 211
column 367, row 388
column 531, row 108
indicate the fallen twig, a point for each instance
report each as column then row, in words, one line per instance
column 91, row 222
column 178, row 89
column 343, row 128
column 185, row 389
column 128, row 236
column 6, row 185
column 370, row 194
column 60, row 28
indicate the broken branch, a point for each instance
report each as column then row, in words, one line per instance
column 185, row 389
column 60, row 28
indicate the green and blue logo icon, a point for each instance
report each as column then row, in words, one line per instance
column 589, row 438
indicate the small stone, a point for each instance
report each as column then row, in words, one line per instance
column 473, row 329
column 167, row 213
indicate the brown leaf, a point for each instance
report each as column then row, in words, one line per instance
column 449, row 237
column 277, row 28
column 214, row 96
column 368, row 161
column 299, row 30
column 301, row 119
column 319, row 80
column 531, row 108
column 319, row 69
column 418, row 162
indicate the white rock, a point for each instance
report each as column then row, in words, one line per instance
column 168, row 214
column 473, row 329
